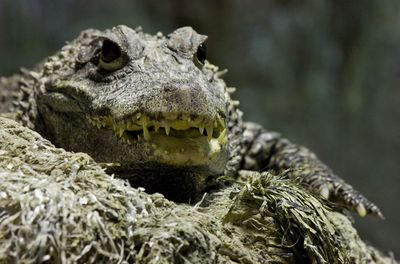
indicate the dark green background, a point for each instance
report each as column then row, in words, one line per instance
column 324, row 73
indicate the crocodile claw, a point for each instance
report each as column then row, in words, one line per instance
column 337, row 191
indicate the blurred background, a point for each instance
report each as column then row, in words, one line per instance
column 325, row 74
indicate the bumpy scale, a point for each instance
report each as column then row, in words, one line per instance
column 158, row 113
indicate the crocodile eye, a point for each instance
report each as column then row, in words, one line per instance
column 201, row 53
column 111, row 57
column 110, row 51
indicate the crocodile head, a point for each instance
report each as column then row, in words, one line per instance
column 151, row 104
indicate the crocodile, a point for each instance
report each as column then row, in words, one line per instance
column 152, row 109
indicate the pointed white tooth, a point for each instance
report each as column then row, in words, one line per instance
column 146, row 133
column 120, row 132
column 156, row 128
column 210, row 130
column 221, row 122
column 167, row 129
column 201, row 129
column 222, row 137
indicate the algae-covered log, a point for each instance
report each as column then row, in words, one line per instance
column 61, row 207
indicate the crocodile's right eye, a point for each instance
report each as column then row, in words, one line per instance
column 111, row 58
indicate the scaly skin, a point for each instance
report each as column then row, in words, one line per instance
column 156, row 112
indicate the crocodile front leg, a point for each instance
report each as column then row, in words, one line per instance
column 268, row 150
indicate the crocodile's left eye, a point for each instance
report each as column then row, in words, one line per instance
column 111, row 58
column 201, row 53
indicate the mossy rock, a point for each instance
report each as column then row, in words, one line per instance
column 61, row 207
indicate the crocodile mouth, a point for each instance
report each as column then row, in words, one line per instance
column 184, row 139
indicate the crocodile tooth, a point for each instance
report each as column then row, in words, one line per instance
column 115, row 126
column 120, row 132
column 167, row 129
column 156, row 128
column 138, row 116
column 146, row 133
column 209, row 132
column 201, row 129
column 221, row 122
column 222, row 137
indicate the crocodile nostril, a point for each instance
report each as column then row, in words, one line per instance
column 176, row 87
column 169, row 88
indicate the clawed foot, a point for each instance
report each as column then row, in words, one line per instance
column 267, row 150
column 337, row 191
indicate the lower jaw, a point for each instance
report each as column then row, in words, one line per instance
column 185, row 151
column 180, row 168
